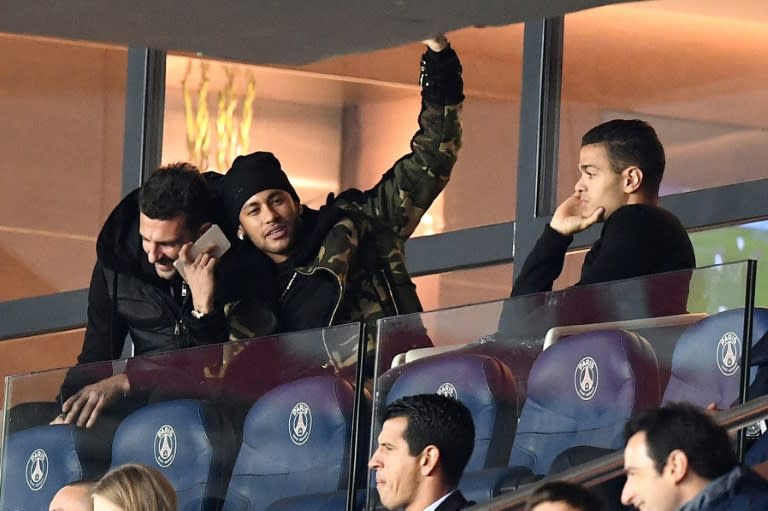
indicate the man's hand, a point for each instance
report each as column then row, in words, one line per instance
column 200, row 277
column 437, row 43
column 567, row 219
column 84, row 407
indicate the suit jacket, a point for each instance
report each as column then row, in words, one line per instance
column 454, row 502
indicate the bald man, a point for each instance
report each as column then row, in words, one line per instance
column 73, row 497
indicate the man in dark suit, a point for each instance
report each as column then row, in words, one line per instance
column 424, row 446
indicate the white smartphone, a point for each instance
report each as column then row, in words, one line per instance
column 214, row 237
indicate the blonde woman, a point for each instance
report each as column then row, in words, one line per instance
column 134, row 488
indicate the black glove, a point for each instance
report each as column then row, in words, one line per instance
column 440, row 77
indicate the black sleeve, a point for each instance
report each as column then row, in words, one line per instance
column 104, row 336
column 543, row 265
column 626, row 249
column 210, row 329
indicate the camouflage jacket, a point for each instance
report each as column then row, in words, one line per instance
column 363, row 251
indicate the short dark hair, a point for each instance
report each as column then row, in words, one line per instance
column 685, row 427
column 561, row 491
column 441, row 421
column 177, row 189
column 631, row 142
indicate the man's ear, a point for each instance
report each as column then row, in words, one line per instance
column 203, row 228
column 677, row 465
column 633, row 178
column 428, row 460
column 240, row 233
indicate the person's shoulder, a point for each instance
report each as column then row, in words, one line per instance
column 454, row 502
column 749, row 478
column 749, row 490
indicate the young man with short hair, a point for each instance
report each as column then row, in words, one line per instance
column 678, row 459
column 621, row 165
column 424, row 445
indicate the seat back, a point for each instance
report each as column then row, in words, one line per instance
column 706, row 363
column 485, row 385
column 193, row 443
column 295, row 442
column 581, row 391
column 517, row 356
column 39, row 461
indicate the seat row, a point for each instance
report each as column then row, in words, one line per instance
column 291, row 449
column 537, row 413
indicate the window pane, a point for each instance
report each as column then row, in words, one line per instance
column 462, row 287
column 62, row 144
column 736, row 243
column 694, row 70
column 342, row 122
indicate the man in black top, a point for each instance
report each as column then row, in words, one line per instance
column 136, row 289
column 621, row 165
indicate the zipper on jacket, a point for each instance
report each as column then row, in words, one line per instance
column 391, row 293
column 179, row 325
column 335, row 308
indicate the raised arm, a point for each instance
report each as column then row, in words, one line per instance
column 406, row 190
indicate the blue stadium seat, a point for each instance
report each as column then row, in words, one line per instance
column 706, row 363
column 518, row 356
column 485, row 385
column 296, row 441
column 38, row 461
column 192, row 442
column 488, row 388
column 581, row 391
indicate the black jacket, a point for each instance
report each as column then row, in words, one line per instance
column 636, row 241
column 454, row 502
column 126, row 296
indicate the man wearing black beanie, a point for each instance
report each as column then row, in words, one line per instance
column 345, row 262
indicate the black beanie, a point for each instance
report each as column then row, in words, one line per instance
column 251, row 174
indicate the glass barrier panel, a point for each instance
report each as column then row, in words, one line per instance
column 268, row 411
column 547, row 372
column 39, row 352
column 460, row 287
column 736, row 243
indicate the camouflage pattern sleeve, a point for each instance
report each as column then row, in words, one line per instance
column 406, row 191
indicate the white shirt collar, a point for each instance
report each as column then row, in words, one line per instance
column 439, row 501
